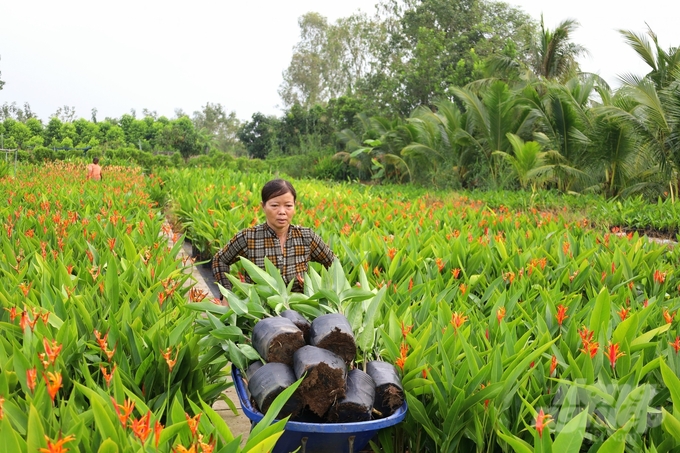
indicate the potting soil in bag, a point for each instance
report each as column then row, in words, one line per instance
column 252, row 368
column 325, row 377
column 276, row 339
column 333, row 332
column 389, row 394
column 357, row 404
column 267, row 382
column 299, row 320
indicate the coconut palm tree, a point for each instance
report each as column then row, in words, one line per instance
column 529, row 162
column 488, row 120
column 664, row 64
column 554, row 55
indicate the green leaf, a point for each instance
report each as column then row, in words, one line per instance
column 673, row 385
column 108, row 446
column 517, row 444
column 570, row 438
column 601, row 312
column 9, row 441
column 218, row 422
column 670, row 424
column 104, row 424
column 35, row 437
column 616, row 443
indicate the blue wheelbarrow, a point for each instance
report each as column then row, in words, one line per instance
column 318, row 437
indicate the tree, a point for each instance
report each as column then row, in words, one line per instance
column 330, row 59
column 433, row 45
column 218, row 127
column 664, row 65
column 257, row 135
column 529, row 163
column 554, row 55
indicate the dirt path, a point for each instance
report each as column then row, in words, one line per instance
column 238, row 423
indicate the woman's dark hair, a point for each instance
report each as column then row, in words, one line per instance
column 275, row 188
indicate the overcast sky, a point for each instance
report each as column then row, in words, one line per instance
column 135, row 54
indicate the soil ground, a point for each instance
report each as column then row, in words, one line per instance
column 238, row 423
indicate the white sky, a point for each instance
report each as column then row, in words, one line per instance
column 135, row 54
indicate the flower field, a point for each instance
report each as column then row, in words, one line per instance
column 514, row 330
column 98, row 352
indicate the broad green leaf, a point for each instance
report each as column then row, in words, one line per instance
column 108, row 446
column 601, row 312
column 673, row 385
column 570, row 438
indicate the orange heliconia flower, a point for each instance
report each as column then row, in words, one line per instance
column 12, row 313
column 193, row 422
column 410, row 284
column 209, row 447
column 112, row 243
column 52, row 350
column 623, row 313
column 462, row 288
column 157, row 429
column 457, row 319
column 659, row 276
column 613, row 353
column 57, row 446
column 54, row 383
column 2, row 402
column 107, row 376
column 183, row 449
column 455, row 272
column 197, row 295
column 440, row 264
column 166, row 355
column 109, row 354
column 561, row 314
column 25, row 288
column 31, row 378
column 123, row 410
column 676, row 344
column 590, row 348
column 668, row 316
column 391, row 252
column 553, row 365
column 500, row 314
column 405, row 330
column 141, row 427
column 542, row 421
column 102, row 341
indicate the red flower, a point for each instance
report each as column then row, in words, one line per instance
column 58, row 446
column 54, row 383
column 500, row 314
column 52, row 350
column 623, row 313
column 561, row 314
column 457, row 319
column 141, row 427
column 553, row 365
column 157, row 428
column 405, row 330
column 659, row 276
column 590, row 348
column 613, row 353
column 667, row 316
column 542, row 421
column 455, row 272
column 31, row 378
column 676, row 344
column 123, row 410
column 166, row 355
column 193, row 422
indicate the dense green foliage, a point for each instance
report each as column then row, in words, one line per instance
column 517, row 325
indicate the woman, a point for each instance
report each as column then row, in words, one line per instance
column 289, row 247
column 94, row 170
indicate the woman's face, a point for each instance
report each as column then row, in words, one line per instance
column 279, row 211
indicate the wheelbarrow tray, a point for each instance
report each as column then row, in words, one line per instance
column 318, row 437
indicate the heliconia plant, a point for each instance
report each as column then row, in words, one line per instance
column 513, row 329
column 99, row 351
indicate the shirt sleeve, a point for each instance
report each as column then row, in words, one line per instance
column 319, row 251
column 223, row 259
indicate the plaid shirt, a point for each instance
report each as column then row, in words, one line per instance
column 302, row 246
